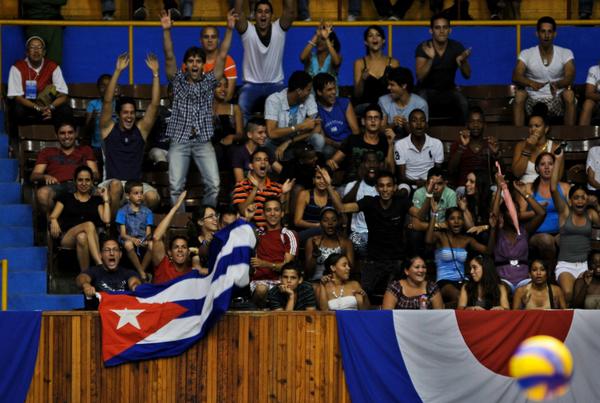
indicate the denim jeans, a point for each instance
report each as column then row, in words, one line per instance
column 354, row 7
column 586, row 6
column 303, row 12
column 203, row 154
column 252, row 97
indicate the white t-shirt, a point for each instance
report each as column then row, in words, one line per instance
column 15, row 82
column 593, row 77
column 263, row 64
column 358, row 223
column 278, row 109
column 418, row 163
column 593, row 161
column 536, row 70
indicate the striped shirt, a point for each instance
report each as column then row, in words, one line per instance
column 243, row 189
column 192, row 113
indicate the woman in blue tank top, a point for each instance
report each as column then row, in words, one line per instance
column 451, row 251
column 327, row 58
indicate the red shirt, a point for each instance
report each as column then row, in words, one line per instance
column 272, row 247
column 61, row 165
column 166, row 271
column 43, row 78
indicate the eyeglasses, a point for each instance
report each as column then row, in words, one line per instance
column 211, row 217
column 35, row 48
column 111, row 250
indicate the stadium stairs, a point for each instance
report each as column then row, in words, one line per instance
column 27, row 275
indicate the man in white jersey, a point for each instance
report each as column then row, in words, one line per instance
column 546, row 73
column 263, row 53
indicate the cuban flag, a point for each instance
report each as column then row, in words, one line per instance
column 458, row 356
column 164, row 320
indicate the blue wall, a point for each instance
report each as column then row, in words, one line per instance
column 91, row 51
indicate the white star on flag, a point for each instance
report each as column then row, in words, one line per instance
column 128, row 316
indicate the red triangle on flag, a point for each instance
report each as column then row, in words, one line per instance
column 126, row 321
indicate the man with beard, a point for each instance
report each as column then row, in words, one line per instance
column 545, row 74
column 125, row 140
column 108, row 276
column 55, row 166
column 417, row 153
column 384, row 215
column 258, row 187
column 256, row 132
column 263, row 44
column 191, row 128
column 472, row 152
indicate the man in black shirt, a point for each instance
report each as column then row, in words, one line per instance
column 108, row 276
column 384, row 215
column 436, row 63
column 292, row 294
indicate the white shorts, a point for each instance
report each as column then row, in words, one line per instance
column 573, row 268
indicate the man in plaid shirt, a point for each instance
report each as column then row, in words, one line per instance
column 191, row 126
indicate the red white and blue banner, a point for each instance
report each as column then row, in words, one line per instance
column 166, row 319
column 20, row 333
column 458, row 356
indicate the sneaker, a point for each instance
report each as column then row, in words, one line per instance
column 108, row 17
column 393, row 18
column 351, row 18
column 307, row 19
column 175, row 14
column 140, row 14
column 584, row 16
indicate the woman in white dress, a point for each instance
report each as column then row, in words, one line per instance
column 336, row 291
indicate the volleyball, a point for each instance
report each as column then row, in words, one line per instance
column 543, row 367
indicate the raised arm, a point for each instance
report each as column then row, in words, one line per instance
column 232, row 17
column 241, row 24
column 170, row 63
column 146, row 123
column 158, row 245
column 106, row 122
column 559, row 203
column 288, row 15
column 423, row 64
column 540, row 212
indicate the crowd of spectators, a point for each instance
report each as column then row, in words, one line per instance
column 355, row 203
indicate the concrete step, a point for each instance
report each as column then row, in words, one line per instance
column 10, row 193
column 16, row 236
column 25, row 258
column 15, row 214
column 31, row 281
column 44, row 302
column 9, row 170
column 3, row 142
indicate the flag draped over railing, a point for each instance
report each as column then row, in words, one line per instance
column 166, row 319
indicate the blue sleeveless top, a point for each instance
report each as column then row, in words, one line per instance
column 450, row 267
column 314, row 68
column 550, row 224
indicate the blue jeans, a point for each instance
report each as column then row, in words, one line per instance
column 252, row 97
column 303, row 12
column 354, row 7
column 203, row 154
column 586, row 6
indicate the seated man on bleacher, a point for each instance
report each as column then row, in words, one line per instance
column 38, row 87
column 55, row 166
column 545, row 72
column 125, row 140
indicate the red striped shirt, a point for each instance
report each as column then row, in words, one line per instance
column 243, row 189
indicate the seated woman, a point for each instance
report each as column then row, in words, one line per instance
column 539, row 294
column 413, row 291
column 319, row 247
column 544, row 239
column 575, row 219
column 76, row 216
column 474, row 199
column 173, row 262
column 586, row 292
column 483, row 291
column 327, row 58
column 370, row 71
column 336, row 292
column 228, row 123
column 451, row 251
column 511, row 253
column 201, row 228
column 309, row 205
column 524, row 161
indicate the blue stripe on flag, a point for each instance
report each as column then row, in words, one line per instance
column 373, row 364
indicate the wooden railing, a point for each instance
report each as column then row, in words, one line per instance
column 247, row 357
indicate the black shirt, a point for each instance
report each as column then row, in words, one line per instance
column 385, row 226
column 443, row 69
column 124, row 154
column 354, row 147
column 305, row 298
column 76, row 212
column 105, row 280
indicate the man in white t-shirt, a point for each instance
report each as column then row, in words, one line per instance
column 417, row 153
column 592, row 96
column 592, row 167
column 546, row 73
column 263, row 45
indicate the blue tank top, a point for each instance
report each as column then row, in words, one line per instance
column 450, row 263
column 550, row 224
column 334, row 122
column 312, row 211
column 314, row 68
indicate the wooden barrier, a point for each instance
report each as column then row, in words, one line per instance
column 247, row 357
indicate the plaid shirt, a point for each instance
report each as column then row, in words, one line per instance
column 192, row 114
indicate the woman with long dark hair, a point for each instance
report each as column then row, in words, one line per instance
column 483, row 291
column 336, row 290
column 326, row 58
column 540, row 293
